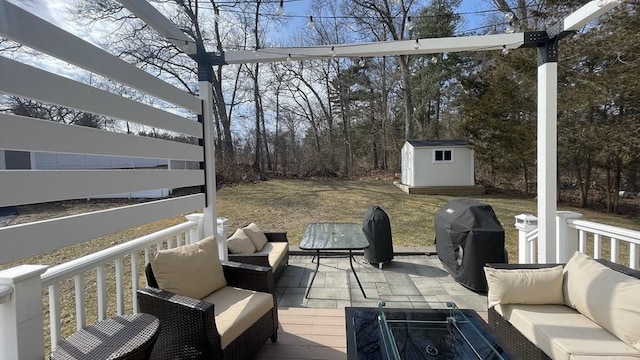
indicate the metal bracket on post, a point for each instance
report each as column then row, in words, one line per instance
column 548, row 51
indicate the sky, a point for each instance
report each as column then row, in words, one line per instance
column 57, row 12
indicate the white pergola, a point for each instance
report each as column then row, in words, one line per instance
column 545, row 41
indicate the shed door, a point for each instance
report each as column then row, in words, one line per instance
column 407, row 167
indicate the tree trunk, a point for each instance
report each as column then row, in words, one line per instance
column 609, row 188
column 525, row 176
column 221, row 109
column 264, row 137
column 408, row 100
column 617, row 177
column 276, row 145
column 256, row 96
column 584, row 181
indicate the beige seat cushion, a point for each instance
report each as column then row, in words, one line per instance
column 524, row 286
column 239, row 243
column 609, row 298
column 276, row 252
column 192, row 270
column 563, row 333
column 256, row 235
column 236, row 310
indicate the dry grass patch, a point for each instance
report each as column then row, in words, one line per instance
column 290, row 205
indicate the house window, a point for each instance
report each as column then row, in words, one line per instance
column 443, row 156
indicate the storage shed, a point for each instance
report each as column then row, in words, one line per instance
column 438, row 167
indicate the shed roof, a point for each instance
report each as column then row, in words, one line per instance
column 423, row 143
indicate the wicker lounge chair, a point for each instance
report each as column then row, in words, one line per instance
column 517, row 343
column 188, row 327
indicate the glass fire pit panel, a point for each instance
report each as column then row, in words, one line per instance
column 441, row 331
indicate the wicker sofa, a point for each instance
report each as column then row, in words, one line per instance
column 597, row 314
column 274, row 254
column 232, row 322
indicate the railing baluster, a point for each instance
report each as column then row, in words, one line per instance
column 169, row 243
column 54, row 315
column 597, row 246
column 134, row 282
column 147, row 256
column 119, row 287
column 81, row 311
column 614, row 250
column 583, row 241
column 633, row 256
column 101, row 278
column 532, row 252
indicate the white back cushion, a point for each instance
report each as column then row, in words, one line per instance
column 192, row 270
column 609, row 298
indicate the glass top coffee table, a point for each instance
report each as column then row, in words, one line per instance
column 437, row 331
column 325, row 237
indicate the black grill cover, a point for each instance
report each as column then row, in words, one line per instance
column 377, row 229
column 469, row 235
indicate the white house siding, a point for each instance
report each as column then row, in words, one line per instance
column 54, row 161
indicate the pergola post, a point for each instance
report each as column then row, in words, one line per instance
column 205, row 77
column 547, row 148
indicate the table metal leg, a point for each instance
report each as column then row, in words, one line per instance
column 314, row 273
column 354, row 273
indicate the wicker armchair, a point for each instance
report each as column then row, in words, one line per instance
column 263, row 259
column 188, row 327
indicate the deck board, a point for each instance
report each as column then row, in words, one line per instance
column 307, row 333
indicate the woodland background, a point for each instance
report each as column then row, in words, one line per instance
column 349, row 117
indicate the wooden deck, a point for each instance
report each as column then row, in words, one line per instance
column 307, row 333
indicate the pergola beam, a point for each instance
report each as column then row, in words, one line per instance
column 590, row 11
column 389, row 48
column 154, row 18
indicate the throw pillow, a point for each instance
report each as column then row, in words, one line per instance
column 608, row 297
column 524, row 286
column 256, row 235
column 192, row 270
column 239, row 243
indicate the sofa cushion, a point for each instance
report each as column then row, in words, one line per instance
column 564, row 333
column 192, row 270
column 609, row 298
column 236, row 310
column 256, row 235
column 275, row 251
column 524, row 286
column 239, row 243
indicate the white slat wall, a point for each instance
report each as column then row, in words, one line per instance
column 19, row 187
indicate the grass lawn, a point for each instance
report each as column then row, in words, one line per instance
column 289, row 205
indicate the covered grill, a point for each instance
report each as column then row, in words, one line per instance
column 469, row 235
column 377, row 228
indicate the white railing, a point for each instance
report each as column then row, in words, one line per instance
column 77, row 270
column 600, row 232
column 573, row 234
column 105, row 270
